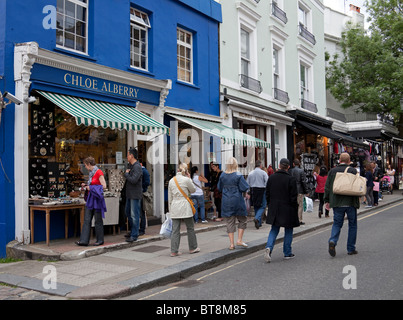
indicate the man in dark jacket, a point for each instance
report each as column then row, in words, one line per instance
column 341, row 205
column 281, row 196
column 134, row 193
column 300, row 177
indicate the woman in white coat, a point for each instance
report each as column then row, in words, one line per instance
column 180, row 209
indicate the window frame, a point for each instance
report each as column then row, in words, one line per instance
column 306, row 58
column 141, row 25
column 245, row 60
column 248, row 21
column 276, row 68
column 179, row 44
column 305, row 26
column 86, row 6
column 304, row 89
column 305, row 16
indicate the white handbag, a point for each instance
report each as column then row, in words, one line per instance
column 348, row 184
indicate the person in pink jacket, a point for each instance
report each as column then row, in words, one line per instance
column 320, row 189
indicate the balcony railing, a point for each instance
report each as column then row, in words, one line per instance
column 281, row 95
column 360, row 116
column 278, row 13
column 310, row 106
column 336, row 115
column 250, row 83
column 303, row 32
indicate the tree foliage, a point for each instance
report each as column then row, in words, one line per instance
column 368, row 72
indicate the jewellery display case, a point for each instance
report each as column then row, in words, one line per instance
column 38, row 177
column 57, row 180
column 43, row 133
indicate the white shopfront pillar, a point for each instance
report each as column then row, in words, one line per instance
column 24, row 58
column 159, row 155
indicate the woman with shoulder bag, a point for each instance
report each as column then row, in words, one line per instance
column 181, row 208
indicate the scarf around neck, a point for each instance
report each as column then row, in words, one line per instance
column 91, row 174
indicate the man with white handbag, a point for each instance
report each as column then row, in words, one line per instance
column 342, row 204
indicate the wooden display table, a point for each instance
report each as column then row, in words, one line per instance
column 48, row 209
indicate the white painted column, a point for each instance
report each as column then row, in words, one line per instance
column 228, row 121
column 158, row 156
column 24, row 58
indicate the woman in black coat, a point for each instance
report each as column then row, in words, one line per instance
column 281, row 195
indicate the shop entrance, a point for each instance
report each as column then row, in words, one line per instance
column 62, row 133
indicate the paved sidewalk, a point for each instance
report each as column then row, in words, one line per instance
column 119, row 269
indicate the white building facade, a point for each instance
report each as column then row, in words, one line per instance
column 272, row 71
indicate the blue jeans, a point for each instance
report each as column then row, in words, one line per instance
column 338, row 218
column 198, row 202
column 288, row 233
column 133, row 214
column 142, row 228
column 260, row 210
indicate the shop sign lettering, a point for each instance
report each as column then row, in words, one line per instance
column 88, row 83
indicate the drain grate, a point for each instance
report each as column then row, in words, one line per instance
column 151, row 249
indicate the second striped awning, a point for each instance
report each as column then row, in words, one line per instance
column 227, row 134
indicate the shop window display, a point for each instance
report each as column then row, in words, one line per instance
column 313, row 151
column 58, row 147
column 311, row 143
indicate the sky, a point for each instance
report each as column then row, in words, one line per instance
column 339, row 6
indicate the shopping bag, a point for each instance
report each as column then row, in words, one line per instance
column 308, row 204
column 376, row 186
column 166, row 228
column 348, row 184
column 247, row 204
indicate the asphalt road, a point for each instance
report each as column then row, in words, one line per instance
column 376, row 272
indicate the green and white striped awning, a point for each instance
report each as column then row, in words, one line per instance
column 227, row 134
column 105, row 115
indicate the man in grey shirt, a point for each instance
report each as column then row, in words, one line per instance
column 257, row 181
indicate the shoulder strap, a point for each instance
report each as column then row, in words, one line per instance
column 180, row 189
column 184, row 194
column 197, row 185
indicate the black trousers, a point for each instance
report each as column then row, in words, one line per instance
column 99, row 226
column 321, row 203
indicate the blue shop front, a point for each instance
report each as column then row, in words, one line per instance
column 90, row 57
column 76, row 109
